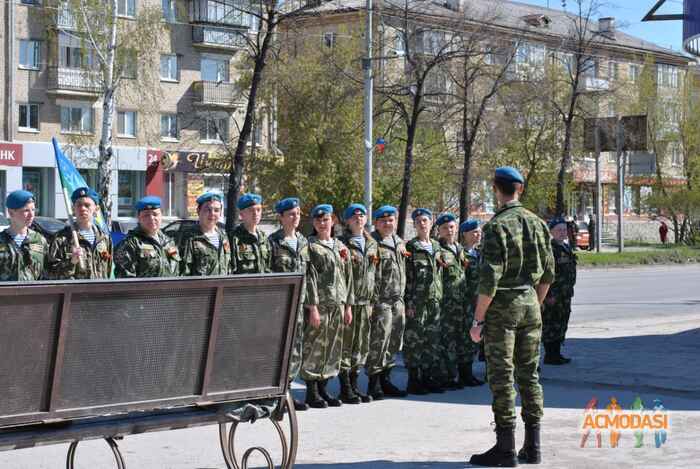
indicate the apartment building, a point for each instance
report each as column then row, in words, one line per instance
column 173, row 111
column 541, row 35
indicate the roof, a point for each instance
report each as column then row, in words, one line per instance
column 504, row 13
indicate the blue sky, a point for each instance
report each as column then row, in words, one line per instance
column 629, row 14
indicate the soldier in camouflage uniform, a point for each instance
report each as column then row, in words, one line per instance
column 147, row 251
column 422, row 349
column 471, row 236
column 557, row 305
column 388, row 319
column 205, row 249
column 363, row 254
column 329, row 296
column 286, row 247
column 251, row 251
column 452, row 309
column 23, row 251
column 516, row 271
column 93, row 258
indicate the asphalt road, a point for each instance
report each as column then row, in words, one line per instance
column 634, row 332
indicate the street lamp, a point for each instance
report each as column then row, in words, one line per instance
column 691, row 23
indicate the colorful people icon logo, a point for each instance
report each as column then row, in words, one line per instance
column 591, row 407
column 659, row 435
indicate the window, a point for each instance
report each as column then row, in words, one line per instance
column 29, row 54
column 168, row 126
column 30, row 2
column 329, row 39
column 129, row 65
column 73, row 54
column 667, row 76
column 612, row 70
column 131, row 186
column 76, row 118
column 126, row 123
column 256, row 135
column 530, row 59
column 591, row 68
column 214, row 129
column 399, row 45
column 126, row 8
column 29, row 117
column 169, row 70
column 676, row 156
column 169, row 11
column 215, row 69
column 634, row 73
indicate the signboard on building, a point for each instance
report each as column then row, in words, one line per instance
column 194, row 162
column 10, row 154
column 634, row 133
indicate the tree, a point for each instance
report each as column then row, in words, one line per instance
column 112, row 50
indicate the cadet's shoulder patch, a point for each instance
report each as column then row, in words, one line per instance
column 36, row 247
column 147, row 247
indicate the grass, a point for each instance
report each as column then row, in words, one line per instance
column 657, row 255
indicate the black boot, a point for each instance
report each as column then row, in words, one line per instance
column 503, row 452
column 332, row 401
column 356, row 389
column 312, row 398
column 374, row 388
column 551, row 354
column 415, row 386
column 530, row 452
column 451, row 383
column 467, row 378
column 300, row 406
column 432, row 385
column 562, row 357
column 346, row 393
column 388, row 387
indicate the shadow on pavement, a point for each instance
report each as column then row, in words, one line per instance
column 651, row 366
column 380, row 464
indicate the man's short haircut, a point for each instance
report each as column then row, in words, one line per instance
column 506, row 187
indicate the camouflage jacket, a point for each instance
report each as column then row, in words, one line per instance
column 390, row 275
column 328, row 273
column 140, row 255
column 286, row 259
column 565, row 278
column 97, row 258
column 200, row 257
column 453, row 263
column 471, row 277
column 364, row 264
column 26, row 262
column 423, row 274
column 250, row 254
column 516, row 251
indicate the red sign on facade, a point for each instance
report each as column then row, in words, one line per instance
column 10, row 154
column 154, row 173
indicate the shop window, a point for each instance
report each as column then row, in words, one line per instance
column 131, row 187
column 40, row 182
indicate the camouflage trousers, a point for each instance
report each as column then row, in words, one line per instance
column 297, row 347
column 323, row 346
column 356, row 339
column 512, row 345
column 422, row 348
column 458, row 348
column 555, row 320
column 387, row 326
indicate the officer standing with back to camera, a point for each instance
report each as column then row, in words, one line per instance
column 82, row 250
column 23, row 251
column 517, row 269
column 287, row 252
column 146, row 251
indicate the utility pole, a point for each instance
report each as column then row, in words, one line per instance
column 598, row 193
column 620, row 186
column 369, row 85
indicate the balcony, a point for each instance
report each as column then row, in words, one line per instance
column 74, row 81
column 232, row 13
column 218, row 38
column 65, row 18
column 593, row 84
column 216, row 94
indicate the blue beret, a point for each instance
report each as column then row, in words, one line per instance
column 207, row 196
column 352, row 208
column 509, row 174
column 150, row 202
column 81, row 192
column 445, row 218
column 286, row 204
column 556, row 221
column 469, row 225
column 18, row 199
column 385, row 211
column 323, row 209
column 421, row 211
column 248, row 200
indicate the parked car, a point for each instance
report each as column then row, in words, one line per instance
column 178, row 228
column 4, row 222
column 582, row 237
column 48, row 226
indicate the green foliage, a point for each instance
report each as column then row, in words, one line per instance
column 662, row 255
